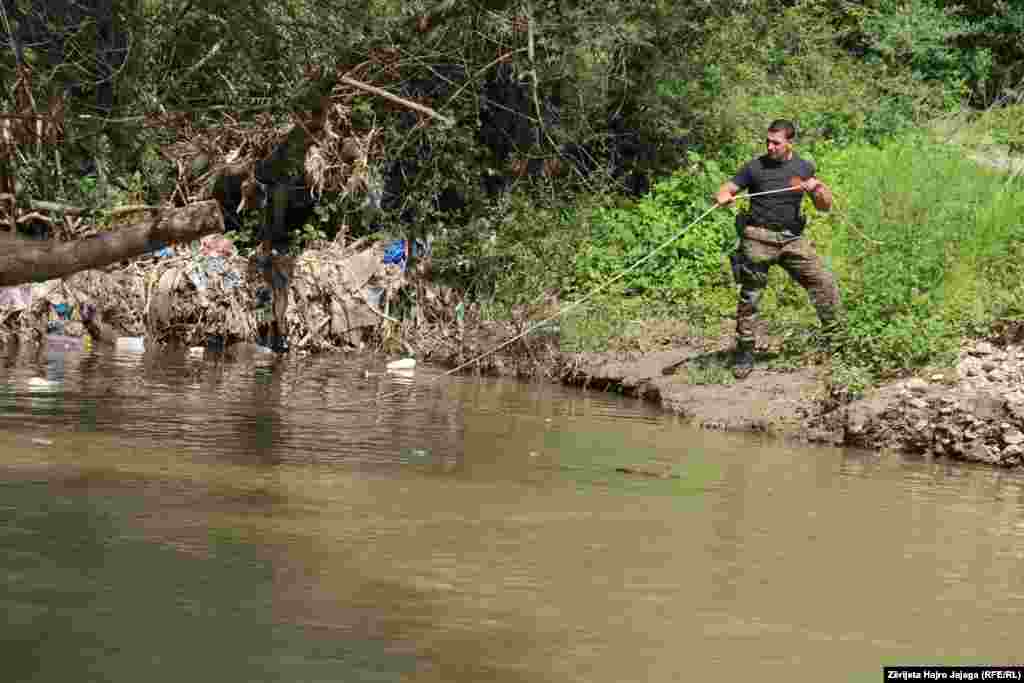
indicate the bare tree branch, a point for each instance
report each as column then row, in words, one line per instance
column 379, row 92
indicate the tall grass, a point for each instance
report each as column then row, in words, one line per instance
column 927, row 247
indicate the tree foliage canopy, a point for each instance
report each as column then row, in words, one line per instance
column 612, row 90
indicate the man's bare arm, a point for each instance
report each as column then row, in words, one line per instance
column 821, row 195
column 727, row 193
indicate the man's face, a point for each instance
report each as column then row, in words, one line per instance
column 779, row 146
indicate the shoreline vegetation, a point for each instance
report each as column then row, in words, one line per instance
column 521, row 155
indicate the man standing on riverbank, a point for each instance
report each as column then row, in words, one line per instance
column 772, row 233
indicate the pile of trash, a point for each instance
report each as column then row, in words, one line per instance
column 205, row 293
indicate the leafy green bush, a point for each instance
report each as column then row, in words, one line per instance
column 517, row 253
column 922, row 35
column 792, row 63
column 685, row 267
column 926, row 244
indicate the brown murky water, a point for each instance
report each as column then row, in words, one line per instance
column 174, row 518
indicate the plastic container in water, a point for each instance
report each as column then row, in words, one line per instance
column 42, row 384
column 130, row 344
column 403, row 364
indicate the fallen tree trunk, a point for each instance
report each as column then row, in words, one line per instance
column 29, row 261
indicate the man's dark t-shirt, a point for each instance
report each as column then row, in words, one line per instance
column 763, row 174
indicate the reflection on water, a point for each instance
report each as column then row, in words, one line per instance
column 165, row 516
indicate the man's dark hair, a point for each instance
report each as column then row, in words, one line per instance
column 784, row 125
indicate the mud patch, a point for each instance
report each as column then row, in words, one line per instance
column 697, row 384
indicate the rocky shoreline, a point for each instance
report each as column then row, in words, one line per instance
column 973, row 412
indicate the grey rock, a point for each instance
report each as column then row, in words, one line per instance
column 977, row 451
column 917, row 385
column 1013, row 437
column 985, row 406
column 982, row 349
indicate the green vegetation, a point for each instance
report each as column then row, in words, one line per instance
column 711, row 370
column 925, row 242
column 928, row 247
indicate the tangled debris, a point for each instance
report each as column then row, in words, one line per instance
column 196, row 293
column 342, row 297
column 205, row 291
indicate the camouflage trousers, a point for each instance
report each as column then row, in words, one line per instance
column 759, row 250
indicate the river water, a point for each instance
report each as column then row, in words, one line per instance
column 169, row 518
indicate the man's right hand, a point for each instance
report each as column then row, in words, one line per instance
column 726, row 194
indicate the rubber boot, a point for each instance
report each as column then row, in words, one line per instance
column 743, row 361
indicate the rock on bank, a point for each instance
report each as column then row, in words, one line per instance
column 973, row 413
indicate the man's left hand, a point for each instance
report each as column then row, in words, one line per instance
column 810, row 185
